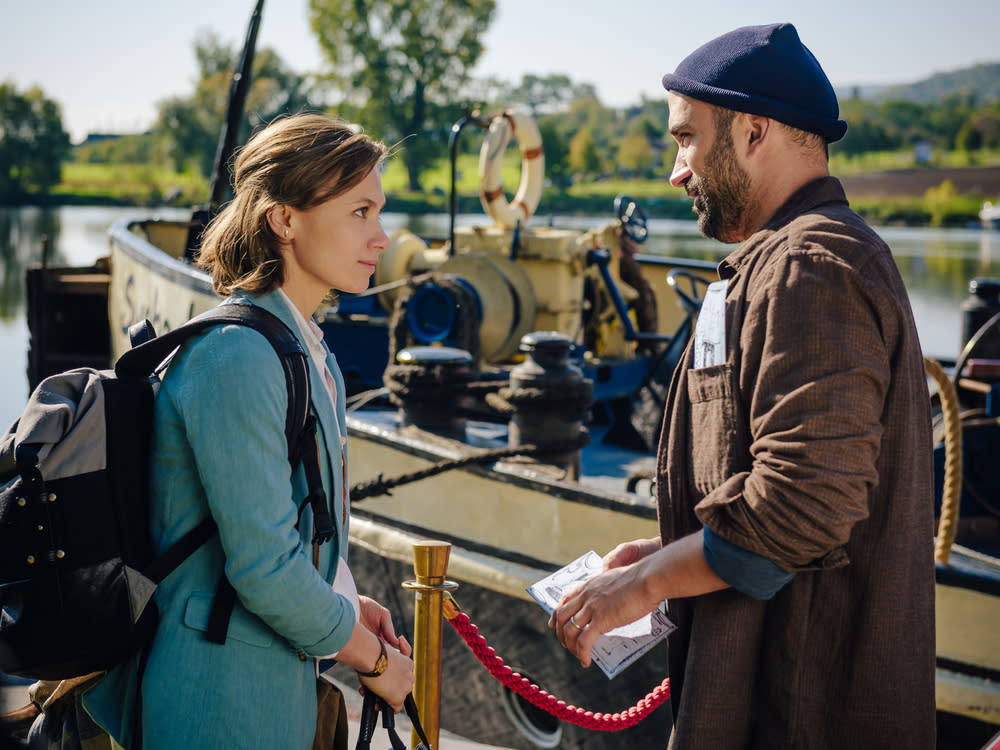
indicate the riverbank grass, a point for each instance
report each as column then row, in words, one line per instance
column 148, row 185
column 129, row 184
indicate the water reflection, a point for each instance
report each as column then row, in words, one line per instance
column 21, row 233
column 989, row 248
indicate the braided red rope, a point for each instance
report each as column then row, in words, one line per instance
column 542, row 699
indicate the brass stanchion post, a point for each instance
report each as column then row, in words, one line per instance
column 430, row 563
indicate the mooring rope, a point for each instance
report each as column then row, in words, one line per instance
column 540, row 698
column 952, row 489
column 381, row 486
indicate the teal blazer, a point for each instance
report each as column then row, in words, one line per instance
column 219, row 448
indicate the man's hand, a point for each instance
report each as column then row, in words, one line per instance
column 637, row 577
column 609, row 600
column 627, row 553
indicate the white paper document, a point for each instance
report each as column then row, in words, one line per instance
column 617, row 648
column 710, row 330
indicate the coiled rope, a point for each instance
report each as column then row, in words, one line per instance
column 540, row 698
column 952, row 490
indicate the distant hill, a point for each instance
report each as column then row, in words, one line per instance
column 983, row 80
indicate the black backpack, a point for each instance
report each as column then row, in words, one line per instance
column 76, row 569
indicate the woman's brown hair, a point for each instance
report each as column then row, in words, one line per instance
column 299, row 161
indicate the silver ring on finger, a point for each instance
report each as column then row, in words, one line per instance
column 575, row 624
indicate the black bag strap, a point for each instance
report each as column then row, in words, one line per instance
column 180, row 550
column 373, row 706
column 410, row 706
column 308, row 453
column 222, row 610
column 149, row 356
column 146, row 358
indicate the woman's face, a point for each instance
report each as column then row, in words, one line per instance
column 336, row 244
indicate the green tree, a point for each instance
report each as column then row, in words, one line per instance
column 969, row 138
column 865, row 135
column 603, row 126
column 635, row 154
column 583, row 155
column 551, row 93
column 33, row 144
column 556, row 148
column 981, row 130
column 947, row 118
column 938, row 201
column 133, row 148
column 400, row 66
column 190, row 126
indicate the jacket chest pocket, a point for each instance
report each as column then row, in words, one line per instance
column 713, row 437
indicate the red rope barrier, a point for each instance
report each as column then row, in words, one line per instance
column 542, row 699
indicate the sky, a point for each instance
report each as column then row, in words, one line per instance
column 107, row 63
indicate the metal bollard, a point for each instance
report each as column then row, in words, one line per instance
column 430, row 563
column 550, row 397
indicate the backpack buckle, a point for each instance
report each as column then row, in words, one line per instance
column 323, row 528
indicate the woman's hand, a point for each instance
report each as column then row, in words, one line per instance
column 395, row 683
column 378, row 620
column 363, row 653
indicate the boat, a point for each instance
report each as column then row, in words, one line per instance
column 989, row 216
column 506, row 384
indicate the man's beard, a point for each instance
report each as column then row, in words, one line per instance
column 723, row 199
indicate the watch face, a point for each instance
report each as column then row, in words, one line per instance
column 380, row 664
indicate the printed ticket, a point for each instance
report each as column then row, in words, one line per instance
column 618, row 648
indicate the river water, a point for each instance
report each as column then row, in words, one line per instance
column 936, row 265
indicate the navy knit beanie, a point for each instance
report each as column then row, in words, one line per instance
column 766, row 71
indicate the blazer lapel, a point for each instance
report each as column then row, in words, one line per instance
column 327, row 428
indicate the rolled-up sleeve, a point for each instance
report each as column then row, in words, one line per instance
column 745, row 571
column 812, row 381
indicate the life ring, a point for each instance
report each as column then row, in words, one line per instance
column 529, row 192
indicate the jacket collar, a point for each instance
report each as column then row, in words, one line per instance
column 809, row 197
column 275, row 303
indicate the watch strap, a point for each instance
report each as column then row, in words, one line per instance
column 381, row 664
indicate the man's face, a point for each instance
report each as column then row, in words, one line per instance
column 707, row 168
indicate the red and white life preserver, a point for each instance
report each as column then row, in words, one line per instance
column 529, row 192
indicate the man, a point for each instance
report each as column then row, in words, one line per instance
column 794, row 478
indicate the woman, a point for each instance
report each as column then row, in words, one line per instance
column 305, row 219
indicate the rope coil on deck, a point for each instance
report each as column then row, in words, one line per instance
column 568, row 398
column 540, row 698
column 428, row 383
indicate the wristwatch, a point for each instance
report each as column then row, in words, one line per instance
column 380, row 664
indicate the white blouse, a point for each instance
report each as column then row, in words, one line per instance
column 312, row 334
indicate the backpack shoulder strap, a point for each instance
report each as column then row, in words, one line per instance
column 144, row 359
column 300, row 424
column 300, row 430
